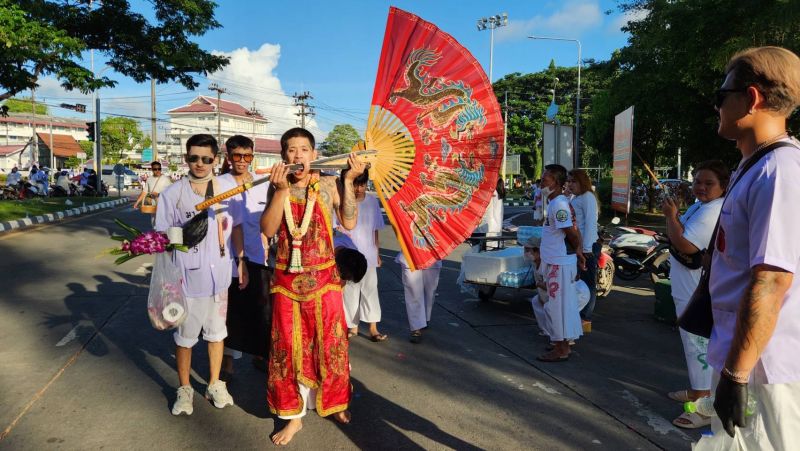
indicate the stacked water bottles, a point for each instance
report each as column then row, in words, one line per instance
column 516, row 278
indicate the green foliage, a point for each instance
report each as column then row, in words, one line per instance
column 671, row 67
column 340, row 140
column 118, row 135
column 87, row 147
column 47, row 37
column 23, row 105
column 528, row 98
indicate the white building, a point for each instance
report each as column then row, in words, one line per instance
column 17, row 128
column 200, row 116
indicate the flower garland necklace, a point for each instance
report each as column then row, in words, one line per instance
column 296, row 263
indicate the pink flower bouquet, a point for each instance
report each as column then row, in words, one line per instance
column 136, row 243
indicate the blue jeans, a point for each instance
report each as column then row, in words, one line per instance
column 590, row 278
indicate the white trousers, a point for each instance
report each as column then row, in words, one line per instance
column 361, row 302
column 695, row 349
column 563, row 314
column 420, row 291
column 541, row 316
column 775, row 424
column 306, row 393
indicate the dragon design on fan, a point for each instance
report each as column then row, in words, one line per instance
column 447, row 106
column 445, row 190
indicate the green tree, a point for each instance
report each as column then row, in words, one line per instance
column 87, row 146
column 671, row 67
column 340, row 140
column 23, row 105
column 47, row 37
column 529, row 95
column 118, row 135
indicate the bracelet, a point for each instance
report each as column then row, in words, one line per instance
column 740, row 377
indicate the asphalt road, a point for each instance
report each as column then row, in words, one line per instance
column 83, row 369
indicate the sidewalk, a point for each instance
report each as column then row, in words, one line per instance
column 14, row 224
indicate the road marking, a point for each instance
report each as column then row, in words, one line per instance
column 143, row 268
column 654, row 420
column 453, row 324
column 546, row 389
column 71, row 335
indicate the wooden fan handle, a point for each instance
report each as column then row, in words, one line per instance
column 220, row 197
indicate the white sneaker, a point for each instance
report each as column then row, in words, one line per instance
column 218, row 394
column 183, row 405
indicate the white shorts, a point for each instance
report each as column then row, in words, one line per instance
column 207, row 314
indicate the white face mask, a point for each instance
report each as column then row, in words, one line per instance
column 546, row 191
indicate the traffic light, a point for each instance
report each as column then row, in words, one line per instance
column 90, row 130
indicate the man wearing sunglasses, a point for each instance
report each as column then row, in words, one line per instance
column 214, row 237
column 156, row 183
column 249, row 308
column 754, row 288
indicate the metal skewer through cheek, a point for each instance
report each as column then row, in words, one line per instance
column 318, row 164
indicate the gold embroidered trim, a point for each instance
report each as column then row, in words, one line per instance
column 311, row 297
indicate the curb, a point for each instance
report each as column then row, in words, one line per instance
column 7, row 226
column 519, row 204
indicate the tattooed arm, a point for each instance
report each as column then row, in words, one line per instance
column 276, row 196
column 348, row 207
column 757, row 316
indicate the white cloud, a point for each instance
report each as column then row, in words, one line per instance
column 251, row 76
column 623, row 19
column 575, row 17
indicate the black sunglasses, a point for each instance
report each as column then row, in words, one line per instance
column 723, row 94
column 196, row 158
column 155, row 169
column 247, row 157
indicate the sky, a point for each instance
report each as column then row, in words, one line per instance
column 331, row 49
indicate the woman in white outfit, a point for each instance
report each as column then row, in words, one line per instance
column 689, row 236
column 420, row 292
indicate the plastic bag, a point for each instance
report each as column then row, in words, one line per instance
column 166, row 303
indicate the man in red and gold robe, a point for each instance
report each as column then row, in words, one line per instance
column 308, row 362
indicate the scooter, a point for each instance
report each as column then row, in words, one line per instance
column 639, row 251
column 605, row 264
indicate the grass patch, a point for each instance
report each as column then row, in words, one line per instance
column 18, row 209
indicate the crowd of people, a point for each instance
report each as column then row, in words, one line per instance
column 284, row 272
column 287, row 272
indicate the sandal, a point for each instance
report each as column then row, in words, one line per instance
column 692, row 420
column 680, row 396
column 378, row 338
column 416, row 336
column 552, row 357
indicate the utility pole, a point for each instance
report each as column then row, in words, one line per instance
column 153, row 133
column 52, row 152
column 220, row 91
column 301, row 100
column 35, row 139
column 253, row 113
column 505, row 137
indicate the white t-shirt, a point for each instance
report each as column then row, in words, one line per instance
column 759, row 225
column 586, row 215
column 559, row 217
column 698, row 222
column 13, row 178
column 252, row 204
column 157, row 184
column 370, row 219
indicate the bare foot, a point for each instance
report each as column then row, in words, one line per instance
column 285, row 435
column 342, row 417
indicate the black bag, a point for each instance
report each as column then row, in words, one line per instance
column 698, row 318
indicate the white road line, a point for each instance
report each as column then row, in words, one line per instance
column 71, row 335
column 654, row 420
column 546, row 389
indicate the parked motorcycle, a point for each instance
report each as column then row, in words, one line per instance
column 605, row 263
column 637, row 251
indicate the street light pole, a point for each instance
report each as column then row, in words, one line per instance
column 492, row 22
column 577, row 100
